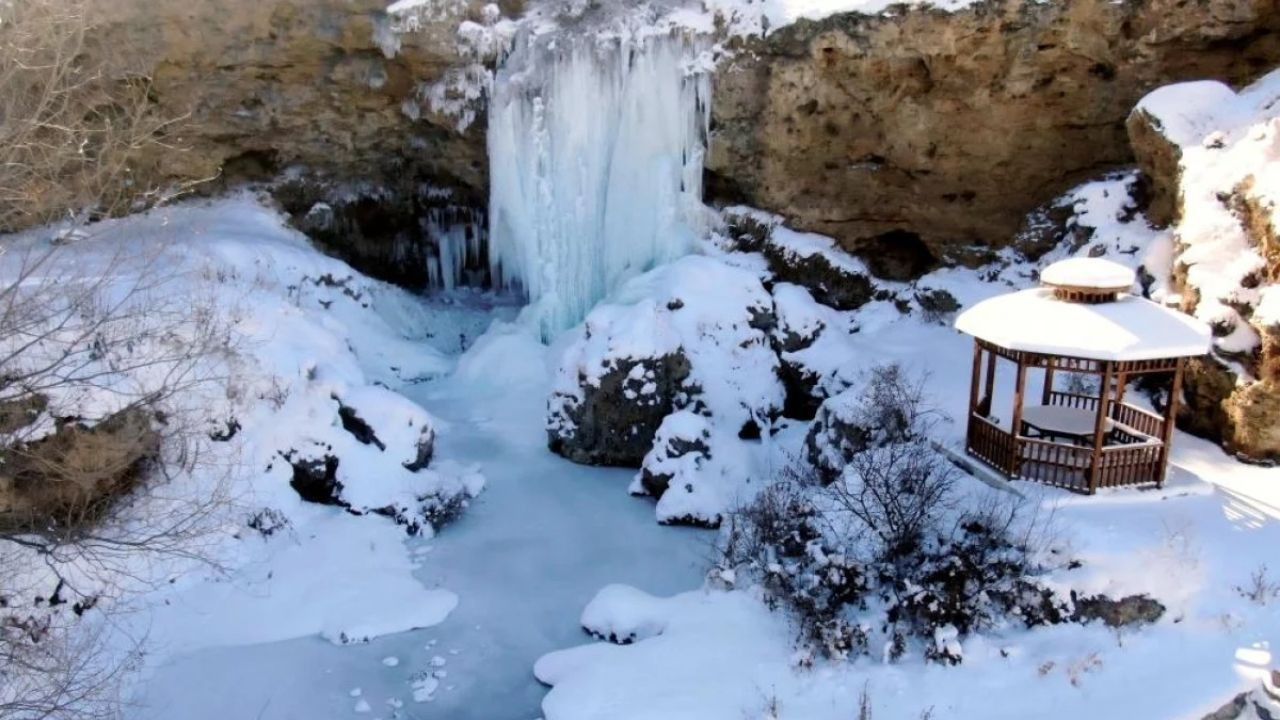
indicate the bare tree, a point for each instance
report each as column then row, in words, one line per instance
column 76, row 119
column 897, row 485
column 101, row 355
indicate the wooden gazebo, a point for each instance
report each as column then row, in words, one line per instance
column 1084, row 326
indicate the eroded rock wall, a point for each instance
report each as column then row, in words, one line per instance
column 922, row 136
column 263, row 85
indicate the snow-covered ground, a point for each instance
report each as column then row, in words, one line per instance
column 339, row 609
column 715, row 653
column 456, row 621
column 539, row 541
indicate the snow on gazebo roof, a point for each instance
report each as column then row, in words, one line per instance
column 1087, row 272
column 1043, row 321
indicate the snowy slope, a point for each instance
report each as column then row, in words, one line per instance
column 306, row 338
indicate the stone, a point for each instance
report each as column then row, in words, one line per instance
column 316, row 479
column 680, row 447
column 1125, row 612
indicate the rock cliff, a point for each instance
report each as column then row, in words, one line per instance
column 921, row 137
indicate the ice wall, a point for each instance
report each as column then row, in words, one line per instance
column 596, row 153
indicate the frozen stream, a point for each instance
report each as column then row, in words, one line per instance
column 524, row 560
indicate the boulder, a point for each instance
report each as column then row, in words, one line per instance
column 673, row 346
column 681, row 448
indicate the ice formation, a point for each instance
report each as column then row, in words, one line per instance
column 596, row 149
column 458, row 236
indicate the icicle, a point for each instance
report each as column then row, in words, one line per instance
column 596, row 157
column 458, row 256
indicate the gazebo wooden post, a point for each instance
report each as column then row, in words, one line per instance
column 973, row 381
column 1100, row 427
column 1019, row 392
column 1047, row 395
column 1170, row 416
column 1122, row 381
column 989, row 389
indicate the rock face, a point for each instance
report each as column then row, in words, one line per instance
column 914, row 138
column 322, row 89
column 320, row 83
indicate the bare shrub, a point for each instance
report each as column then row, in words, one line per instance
column 897, row 485
column 49, row 672
column 937, row 305
column 100, row 445
column 1261, row 589
column 783, row 538
column 97, row 452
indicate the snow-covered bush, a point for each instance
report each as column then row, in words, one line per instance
column 980, row 573
column 872, row 545
column 783, row 538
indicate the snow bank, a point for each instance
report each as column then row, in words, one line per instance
column 305, row 378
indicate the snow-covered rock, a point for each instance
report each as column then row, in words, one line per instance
column 664, row 343
column 622, row 614
column 814, row 343
column 832, row 276
column 1213, row 156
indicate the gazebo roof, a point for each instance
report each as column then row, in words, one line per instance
column 1128, row 328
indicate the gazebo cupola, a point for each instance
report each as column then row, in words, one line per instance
column 1082, row 338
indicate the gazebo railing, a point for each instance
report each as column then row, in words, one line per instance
column 987, row 442
column 1137, row 464
column 1065, row 465
column 1145, row 422
column 1052, row 463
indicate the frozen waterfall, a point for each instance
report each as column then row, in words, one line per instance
column 596, row 155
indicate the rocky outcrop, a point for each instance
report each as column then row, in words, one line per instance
column 264, row 85
column 1202, row 148
column 916, row 137
column 612, row 419
column 322, row 89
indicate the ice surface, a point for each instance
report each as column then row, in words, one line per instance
column 596, row 152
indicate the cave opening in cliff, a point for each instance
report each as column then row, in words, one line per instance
column 898, row 255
